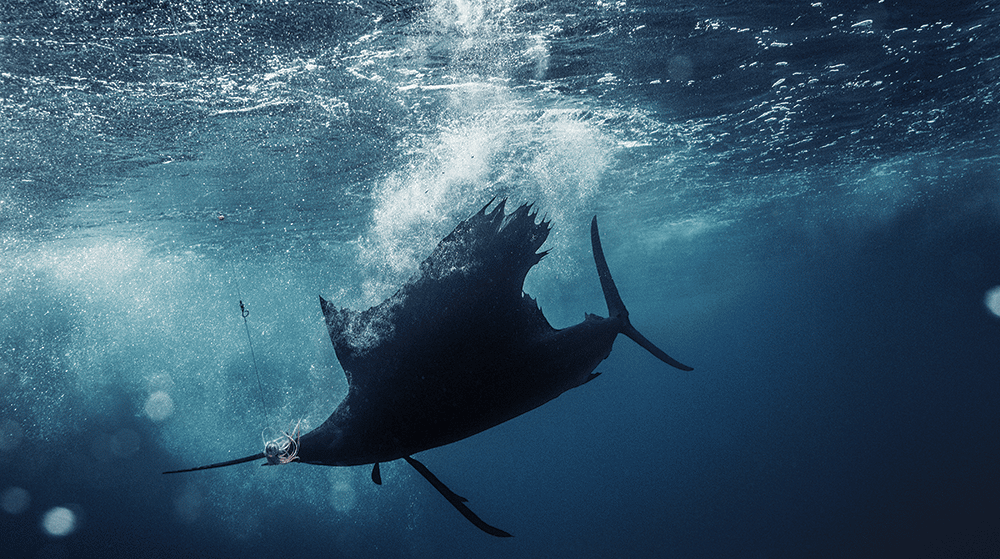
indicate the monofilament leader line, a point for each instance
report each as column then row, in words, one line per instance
column 246, row 326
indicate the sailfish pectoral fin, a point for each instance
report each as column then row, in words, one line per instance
column 456, row 501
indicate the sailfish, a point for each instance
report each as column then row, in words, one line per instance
column 458, row 349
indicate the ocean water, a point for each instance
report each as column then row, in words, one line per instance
column 799, row 199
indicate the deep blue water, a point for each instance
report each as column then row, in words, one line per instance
column 801, row 200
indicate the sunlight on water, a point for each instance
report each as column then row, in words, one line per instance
column 96, row 267
column 121, row 329
column 467, row 15
column 490, row 139
column 684, row 229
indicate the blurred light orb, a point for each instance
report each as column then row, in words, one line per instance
column 342, row 496
column 159, row 406
column 187, row 506
column 125, row 442
column 15, row 500
column 992, row 301
column 59, row 522
column 11, row 434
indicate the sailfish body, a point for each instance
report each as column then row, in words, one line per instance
column 458, row 349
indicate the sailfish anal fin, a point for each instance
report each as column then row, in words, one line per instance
column 456, row 500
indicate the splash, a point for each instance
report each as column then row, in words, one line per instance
column 555, row 158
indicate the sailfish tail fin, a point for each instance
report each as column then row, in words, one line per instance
column 616, row 308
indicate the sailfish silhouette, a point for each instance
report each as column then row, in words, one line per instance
column 460, row 348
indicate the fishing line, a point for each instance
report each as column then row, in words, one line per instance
column 177, row 30
column 285, row 448
column 253, row 356
column 244, row 312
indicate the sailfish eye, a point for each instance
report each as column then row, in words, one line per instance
column 272, row 453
